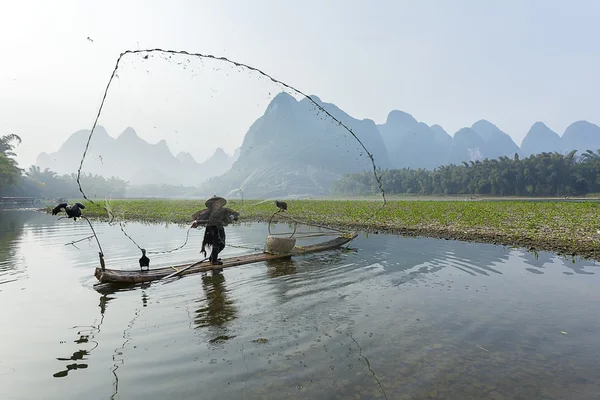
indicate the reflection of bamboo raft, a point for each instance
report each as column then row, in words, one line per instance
column 137, row 276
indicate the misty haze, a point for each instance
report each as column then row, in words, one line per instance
column 318, row 200
column 286, row 126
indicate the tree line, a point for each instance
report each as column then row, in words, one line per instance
column 544, row 174
column 10, row 172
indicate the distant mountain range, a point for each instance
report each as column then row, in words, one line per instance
column 413, row 144
column 293, row 148
column 132, row 158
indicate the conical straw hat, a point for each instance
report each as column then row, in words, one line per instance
column 215, row 202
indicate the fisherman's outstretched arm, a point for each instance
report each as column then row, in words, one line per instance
column 199, row 222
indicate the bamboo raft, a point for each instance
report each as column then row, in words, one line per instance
column 141, row 276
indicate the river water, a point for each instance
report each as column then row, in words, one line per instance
column 398, row 318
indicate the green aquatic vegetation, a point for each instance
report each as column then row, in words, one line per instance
column 564, row 227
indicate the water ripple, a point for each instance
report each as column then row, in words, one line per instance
column 434, row 319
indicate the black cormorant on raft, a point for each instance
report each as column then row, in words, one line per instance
column 144, row 261
column 137, row 276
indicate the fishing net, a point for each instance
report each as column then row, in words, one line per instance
column 175, row 125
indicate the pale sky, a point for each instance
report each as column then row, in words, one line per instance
column 446, row 62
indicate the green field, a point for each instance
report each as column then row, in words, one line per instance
column 571, row 228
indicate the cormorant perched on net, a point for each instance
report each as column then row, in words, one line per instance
column 73, row 211
column 282, row 205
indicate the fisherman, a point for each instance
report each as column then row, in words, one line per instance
column 215, row 217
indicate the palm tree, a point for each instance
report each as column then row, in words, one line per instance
column 6, row 146
column 9, row 170
column 590, row 156
column 34, row 171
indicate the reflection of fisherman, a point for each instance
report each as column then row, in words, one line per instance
column 215, row 217
column 216, row 308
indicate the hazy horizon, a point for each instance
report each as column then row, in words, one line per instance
column 512, row 63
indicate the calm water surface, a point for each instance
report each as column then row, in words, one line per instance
column 401, row 318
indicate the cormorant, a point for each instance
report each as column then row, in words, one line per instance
column 144, row 260
column 282, row 205
column 73, row 211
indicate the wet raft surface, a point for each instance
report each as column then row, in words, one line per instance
column 434, row 319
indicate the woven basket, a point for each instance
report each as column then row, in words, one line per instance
column 279, row 245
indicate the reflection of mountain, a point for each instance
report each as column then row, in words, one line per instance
column 216, row 309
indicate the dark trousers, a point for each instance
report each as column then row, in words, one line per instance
column 215, row 237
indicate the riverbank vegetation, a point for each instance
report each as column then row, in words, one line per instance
column 569, row 228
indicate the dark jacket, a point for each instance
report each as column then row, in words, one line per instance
column 219, row 217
